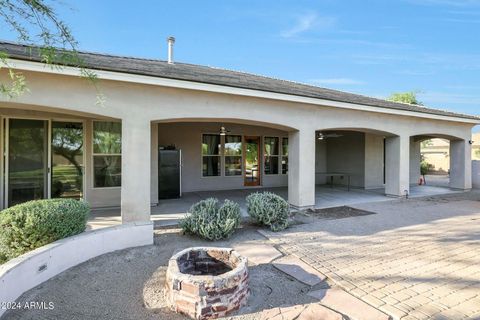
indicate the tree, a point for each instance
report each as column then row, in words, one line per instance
column 426, row 143
column 37, row 24
column 425, row 168
column 409, row 97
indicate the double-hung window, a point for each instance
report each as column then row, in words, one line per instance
column 211, row 155
column 107, row 154
column 271, row 155
column 233, row 155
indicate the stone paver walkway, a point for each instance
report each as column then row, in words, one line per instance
column 415, row 259
column 312, row 311
column 299, row 270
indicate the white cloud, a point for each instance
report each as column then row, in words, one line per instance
column 409, row 72
column 307, row 22
column 455, row 20
column 454, row 3
column 464, row 12
column 463, row 87
column 443, row 61
column 336, row 81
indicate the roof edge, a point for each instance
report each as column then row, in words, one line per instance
column 384, row 109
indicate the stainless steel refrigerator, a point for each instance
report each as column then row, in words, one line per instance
column 169, row 174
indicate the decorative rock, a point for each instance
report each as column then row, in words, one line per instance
column 313, row 311
column 258, row 253
column 282, row 313
column 349, row 305
column 316, row 311
column 298, row 269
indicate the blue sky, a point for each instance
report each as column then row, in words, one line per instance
column 372, row 47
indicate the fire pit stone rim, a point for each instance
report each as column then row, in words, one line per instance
column 207, row 296
column 174, row 268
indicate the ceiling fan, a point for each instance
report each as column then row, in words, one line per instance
column 223, row 131
column 323, row 136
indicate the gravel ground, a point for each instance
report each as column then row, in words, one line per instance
column 128, row 284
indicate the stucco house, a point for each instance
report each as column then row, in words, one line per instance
column 235, row 130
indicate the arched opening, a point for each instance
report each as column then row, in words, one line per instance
column 350, row 165
column 437, row 163
column 200, row 158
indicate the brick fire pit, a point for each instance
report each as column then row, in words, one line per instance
column 207, row 282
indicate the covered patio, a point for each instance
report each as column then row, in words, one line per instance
column 169, row 211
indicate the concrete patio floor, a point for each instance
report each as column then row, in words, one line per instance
column 168, row 212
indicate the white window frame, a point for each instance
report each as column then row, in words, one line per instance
column 103, row 154
column 225, row 155
column 220, row 151
column 278, row 156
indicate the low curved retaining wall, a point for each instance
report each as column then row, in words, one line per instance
column 29, row 270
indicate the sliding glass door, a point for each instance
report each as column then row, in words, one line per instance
column 27, row 169
column 32, row 148
column 67, row 160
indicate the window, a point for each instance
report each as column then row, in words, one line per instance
column 233, row 155
column 107, row 154
column 284, row 155
column 271, row 154
column 211, row 155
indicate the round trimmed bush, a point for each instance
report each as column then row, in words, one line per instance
column 268, row 209
column 208, row 220
column 33, row 224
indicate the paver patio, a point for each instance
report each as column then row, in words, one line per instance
column 415, row 259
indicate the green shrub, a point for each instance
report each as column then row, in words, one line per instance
column 210, row 221
column 425, row 167
column 33, row 224
column 268, row 209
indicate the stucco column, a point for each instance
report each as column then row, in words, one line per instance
column 154, row 165
column 397, row 165
column 301, row 168
column 136, row 136
column 460, row 164
column 415, row 159
column 373, row 164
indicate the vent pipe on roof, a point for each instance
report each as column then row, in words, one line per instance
column 171, row 41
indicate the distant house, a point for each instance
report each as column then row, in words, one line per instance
column 235, row 131
column 437, row 153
